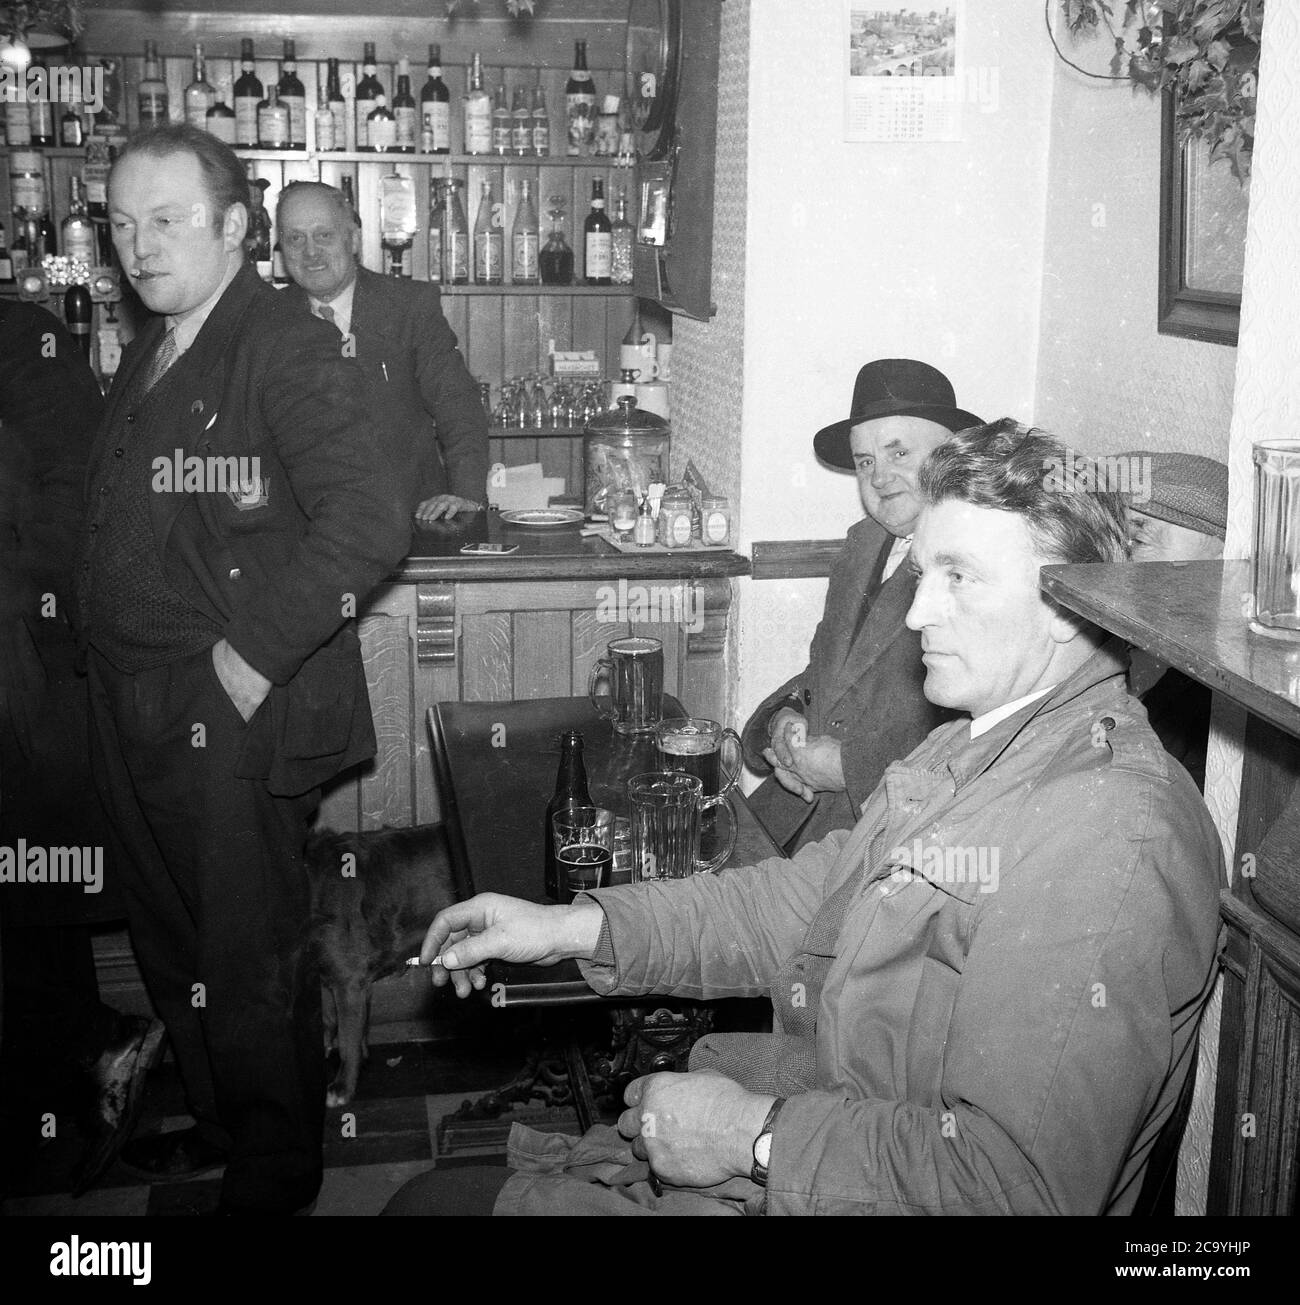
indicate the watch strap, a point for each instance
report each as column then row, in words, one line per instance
column 758, row 1173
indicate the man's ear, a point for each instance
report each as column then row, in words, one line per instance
column 1066, row 625
column 235, row 226
column 356, row 243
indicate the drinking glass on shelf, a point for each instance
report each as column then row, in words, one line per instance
column 539, row 409
column 485, row 398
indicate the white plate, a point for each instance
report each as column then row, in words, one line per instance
column 543, row 517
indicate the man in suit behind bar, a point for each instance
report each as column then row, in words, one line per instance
column 421, row 393
column 824, row 738
column 239, row 512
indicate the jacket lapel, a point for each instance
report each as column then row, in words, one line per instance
column 370, row 322
column 882, row 624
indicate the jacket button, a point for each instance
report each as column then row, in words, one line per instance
column 1107, row 722
column 103, row 489
column 235, row 573
column 130, row 419
column 807, row 697
column 117, row 453
column 837, row 723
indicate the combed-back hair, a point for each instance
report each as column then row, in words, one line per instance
column 1014, row 468
column 223, row 173
column 332, row 193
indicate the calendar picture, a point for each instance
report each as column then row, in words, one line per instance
column 903, row 76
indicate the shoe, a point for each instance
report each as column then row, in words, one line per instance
column 118, row 1077
column 179, row 1154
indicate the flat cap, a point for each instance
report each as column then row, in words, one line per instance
column 1185, row 489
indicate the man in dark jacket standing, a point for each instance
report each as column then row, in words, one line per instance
column 824, row 738
column 423, row 399
column 239, row 513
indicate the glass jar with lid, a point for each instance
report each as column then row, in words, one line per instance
column 625, row 448
column 715, row 514
column 675, row 517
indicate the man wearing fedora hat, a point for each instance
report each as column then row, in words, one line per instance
column 824, row 738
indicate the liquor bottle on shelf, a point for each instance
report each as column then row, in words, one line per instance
column 337, row 105
column 257, row 240
column 72, row 133
column 272, row 122
column 369, row 88
column 621, row 242
column 19, row 256
column 78, row 314
column 525, row 239
column 109, row 119
column 397, row 224
column 381, row 126
column 580, row 103
column 95, row 176
column 346, row 188
column 502, row 123
column 478, row 112
column 555, row 262
column 323, row 123
column 489, row 241
column 40, row 111
column 78, row 231
column 221, row 117
column 597, row 239
column 437, row 210
column 199, row 96
column 28, row 195
column 151, row 94
column 435, row 112
column 18, row 120
column 294, row 97
column 48, row 241
column 6, row 261
column 455, row 236
column 521, row 131
column 571, row 791
column 404, row 109
column 541, row 124
column 249, row 93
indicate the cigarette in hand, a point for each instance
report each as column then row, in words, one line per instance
column 415, row 960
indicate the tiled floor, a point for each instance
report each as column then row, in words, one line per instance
column 372, row 1146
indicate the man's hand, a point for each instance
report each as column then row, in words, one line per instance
column 696, row 1130
column 244, row 686
column 806, row 766
column 490, row 927
column 444, row 505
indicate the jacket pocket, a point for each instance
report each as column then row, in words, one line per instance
column 318, row 706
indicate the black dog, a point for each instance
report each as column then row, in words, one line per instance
column 374, row 895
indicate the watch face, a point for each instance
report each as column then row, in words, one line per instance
column 763, row 1150
column 653, row 52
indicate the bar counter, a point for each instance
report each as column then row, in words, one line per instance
column 447, row 627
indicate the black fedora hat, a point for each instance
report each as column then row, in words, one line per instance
column 893, row 387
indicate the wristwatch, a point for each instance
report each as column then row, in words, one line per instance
column 763, row 1144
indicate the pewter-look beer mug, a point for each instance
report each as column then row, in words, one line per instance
column 634, row 668
column 1275, row 564
column 695, row 747
column 665, row 807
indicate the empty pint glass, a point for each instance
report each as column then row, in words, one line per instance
column 1275, row 565
column 634, row 668
column 665, row 807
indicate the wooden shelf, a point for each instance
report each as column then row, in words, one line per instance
column 454, row 160
column 1190, row 614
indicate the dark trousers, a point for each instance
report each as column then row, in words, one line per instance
column 217, row 900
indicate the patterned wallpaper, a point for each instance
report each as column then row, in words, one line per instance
column 708, row 357
column 1266, row 405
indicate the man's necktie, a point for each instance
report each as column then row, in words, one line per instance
column 326, row 313
column 162, row 359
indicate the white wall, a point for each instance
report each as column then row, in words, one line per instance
column 862, row 251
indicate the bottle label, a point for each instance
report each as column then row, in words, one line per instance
column 405, row 128
column 478, row 126
column 325, row 130
column 521, row 138
column 435, row 253
column 363, row 127
column 582, row 120
column 600, row 254
column 383, row 133
column 153, row 108
column 246, row 119
column 715, row 527
column 340, row 112
column 6, row 268
column 79, row 243
column 222, row 128
column 501, row 134
column 297, row 106
column 437, row 122
column 196, row 113
column 18, row 123
column 457, row 262
column 524, row 264
column 273, row 127
column 28, row 192
column 541, row 137
column 489, row 254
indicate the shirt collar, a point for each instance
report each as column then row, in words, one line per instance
column 982, row 724
column 186, row 332
column 341, row 304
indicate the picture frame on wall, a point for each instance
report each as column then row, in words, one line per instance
column 1203, row 209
